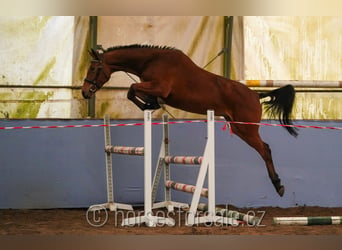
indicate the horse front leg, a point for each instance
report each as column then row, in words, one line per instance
column 142, row 101
column 148, row 93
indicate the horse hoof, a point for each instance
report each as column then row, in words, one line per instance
column 281, row 191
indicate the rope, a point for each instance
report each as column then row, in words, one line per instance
column 170, row 122
column 220, row 53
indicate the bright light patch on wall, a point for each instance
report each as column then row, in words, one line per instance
column 36, row 51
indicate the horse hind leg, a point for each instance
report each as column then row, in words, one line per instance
column 274, row 177
column 251, row 137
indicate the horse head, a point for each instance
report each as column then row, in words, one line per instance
column 98, row 74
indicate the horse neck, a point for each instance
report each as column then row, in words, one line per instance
column 131, row 61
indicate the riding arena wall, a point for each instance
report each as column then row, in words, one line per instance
column 65, row 167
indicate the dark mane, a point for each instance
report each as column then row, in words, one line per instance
column 139, row 46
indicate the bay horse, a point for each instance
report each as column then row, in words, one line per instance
column 170, row 77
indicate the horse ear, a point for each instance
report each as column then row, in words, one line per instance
column 91, row 52
column 94, row 54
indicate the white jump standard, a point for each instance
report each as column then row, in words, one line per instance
column 148, row 218
column 207, row 168
column 145, row 151
column 110, row 204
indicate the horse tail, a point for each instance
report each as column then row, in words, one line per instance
column 280, row 105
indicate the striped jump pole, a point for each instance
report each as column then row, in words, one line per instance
column 192, row 160
column 185, row 188
column 124, row 150
column 252, row 220
column 308, row 221
column 295, row 83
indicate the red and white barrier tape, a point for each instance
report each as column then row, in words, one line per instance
column 282, row 125
column 170, row 122
column 97, row 125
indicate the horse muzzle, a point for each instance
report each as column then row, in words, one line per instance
column 87, row 93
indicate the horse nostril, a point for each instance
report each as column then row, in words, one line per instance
column 85, row 96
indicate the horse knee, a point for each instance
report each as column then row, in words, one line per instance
column 131, row 93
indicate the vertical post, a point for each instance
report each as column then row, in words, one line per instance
column 166, row 153
column 109, row 172
column 110, row 204
column 164, row 149
column 93, row 45
column 148, row 218
column 211, row 164
column 228, row 34
column 208, row 159
column 147, row 163
column 163, row 165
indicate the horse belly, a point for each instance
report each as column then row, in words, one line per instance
column 195, row 104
